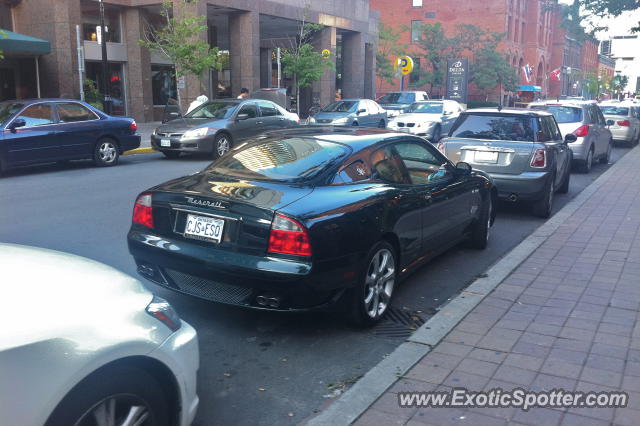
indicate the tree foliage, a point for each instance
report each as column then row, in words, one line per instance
column 604, row 8
column 2, row 35
column 619, row 83
column 388, row 50
column 491, row 68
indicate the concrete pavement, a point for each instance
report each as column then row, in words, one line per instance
column 559, row 311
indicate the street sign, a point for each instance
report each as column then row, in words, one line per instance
column 326, row 53
column 457, row 80
column 181, row 83
column 405, row 64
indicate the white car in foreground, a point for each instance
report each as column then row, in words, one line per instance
column 84, row 344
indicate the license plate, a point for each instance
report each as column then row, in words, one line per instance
column 486, row 157
column 204, row 228
column 165, row 142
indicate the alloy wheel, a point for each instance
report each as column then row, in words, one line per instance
column 379, row 283
column 222, row 145
column 107, row 152
column 117, row 410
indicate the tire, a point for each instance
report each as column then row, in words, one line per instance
column 607, row 157
column 480, row 230
column 372, row 286
column 355, row 123
column 542, row 208
column 437, row 134
column 222, row 144
column 586, row 165
column 382, row 125
column 171, row 154
column 127, row 387
column 106, row 153
column 564, row 187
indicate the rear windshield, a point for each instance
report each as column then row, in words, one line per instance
column 563, row 114
column 7, row 109
column 213, row 110
column 340, row 106
column 493, row 127
column 426, row 107
column 614, row 110
column 397, row 98
column 283, row 160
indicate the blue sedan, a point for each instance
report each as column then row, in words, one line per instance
column 47, row 130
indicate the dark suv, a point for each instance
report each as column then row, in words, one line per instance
column 522, row 150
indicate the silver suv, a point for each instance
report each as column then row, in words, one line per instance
column 585, row 120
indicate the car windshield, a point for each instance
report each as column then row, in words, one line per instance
column 292, row 159
column 494, row 127
column 215, row 110
column 398, row 98
column 340, row 106
column 426, row 108
column 563, row 114
column 614, row 110
column 7, row 109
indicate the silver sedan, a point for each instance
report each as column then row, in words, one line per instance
column 626, row 121
column 431, row 119
column 83, row 344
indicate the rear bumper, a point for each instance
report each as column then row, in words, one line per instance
column 579, row 149
column 623, row 134
column 204, row 144
column 236, row 278
column 527, row 186
column 129, row 142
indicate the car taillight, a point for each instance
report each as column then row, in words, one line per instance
column 624, row 123
column 142, row 211
column 133, row 126
column 539, row 159
column 288, row 237
column 581, row 131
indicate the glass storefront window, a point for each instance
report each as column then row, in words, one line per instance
column 91, row 20
column 115, row 76
column 163, row 83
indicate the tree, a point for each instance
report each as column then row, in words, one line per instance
column 178, row 39
column 491, row 69
column 388, row 50
column 604, row 8
column 302, row 60
column 2, row 35
column 619, row 83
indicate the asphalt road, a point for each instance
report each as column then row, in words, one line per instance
column 256, row 367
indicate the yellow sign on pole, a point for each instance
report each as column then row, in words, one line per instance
column 405, row 63
column 326, row 53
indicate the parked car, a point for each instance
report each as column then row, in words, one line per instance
column 427, row 118
column 625, row 118
column 351, row 112
column 306, row 218
column 398, row 102
column 214, row 127
column 84, row 344
column 585, row 120
column 522, row 150
column 48, row 130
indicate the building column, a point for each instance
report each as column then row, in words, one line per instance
column 369, row 71
column 194, row 86
column 266, row 65
column 244, row 40
column 324, row 89
column 138, row 67
column 353, row 65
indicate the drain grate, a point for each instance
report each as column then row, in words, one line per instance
column 398, row 323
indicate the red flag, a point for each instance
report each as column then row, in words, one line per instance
column 555, row 74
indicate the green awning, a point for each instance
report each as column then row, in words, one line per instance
column 20, row 44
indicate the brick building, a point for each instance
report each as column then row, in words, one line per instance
column 140, row 81
column 527, row 25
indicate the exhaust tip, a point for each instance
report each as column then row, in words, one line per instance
column 270, row 301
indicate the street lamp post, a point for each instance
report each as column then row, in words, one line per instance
column 105, row 80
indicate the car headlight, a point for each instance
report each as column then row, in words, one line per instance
column 161, row 310
column 195, row 133
column 340, row 120
column 155, row 131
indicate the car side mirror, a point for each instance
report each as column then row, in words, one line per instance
column 463, row 168
column 361, row 110
column 241, row 117
column 570, row 138
column 610, row 122
column 447, row 113
column 18, row 122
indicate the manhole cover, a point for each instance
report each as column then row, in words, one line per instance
column 398, row 323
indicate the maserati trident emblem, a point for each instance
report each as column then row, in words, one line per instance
column 205, row 203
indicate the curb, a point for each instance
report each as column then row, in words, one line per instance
column 353, row 403
column 143, row 150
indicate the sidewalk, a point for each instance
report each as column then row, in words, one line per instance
column 563, row 316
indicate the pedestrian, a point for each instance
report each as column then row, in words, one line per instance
column 244, row 93
column 197, row 102
column 338, row 96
